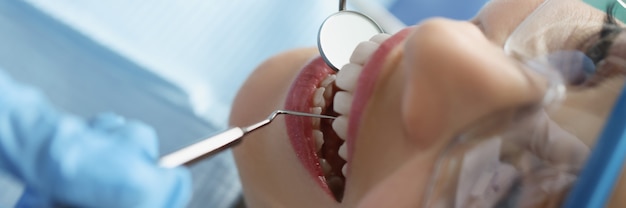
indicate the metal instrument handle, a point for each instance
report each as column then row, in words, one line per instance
column 203, row 149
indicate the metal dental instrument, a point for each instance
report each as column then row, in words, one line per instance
column 222, row 141
column 341, row 32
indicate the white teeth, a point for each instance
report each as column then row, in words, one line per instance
column 328, row 93
column 325, row 166
column 318, row 97
column 348, row 76
column 349, row 73
column 380, row 38
column 316, row 121
column 328, row 81
column 316, row 110
column 346, row 80
column 343, row 101
column 340, row 125
column 319, row 139
column 363, row 52
column 343, row 151
column 328, row 84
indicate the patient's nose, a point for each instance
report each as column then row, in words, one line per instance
column 456, row 77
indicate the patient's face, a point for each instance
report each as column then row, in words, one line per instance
column 406, row 97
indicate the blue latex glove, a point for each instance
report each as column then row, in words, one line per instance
column 63, row 160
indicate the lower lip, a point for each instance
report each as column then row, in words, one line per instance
column 299, row 129
column 299, row 98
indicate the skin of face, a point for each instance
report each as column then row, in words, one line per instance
column 445, row 78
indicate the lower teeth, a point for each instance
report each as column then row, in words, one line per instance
column 325, row 166
column 330, row 162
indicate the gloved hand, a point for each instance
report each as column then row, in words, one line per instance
column 63, row 160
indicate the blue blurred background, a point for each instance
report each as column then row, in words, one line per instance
column 174, row 64
column 413, row 11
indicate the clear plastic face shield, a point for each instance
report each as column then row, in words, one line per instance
column 537, row 156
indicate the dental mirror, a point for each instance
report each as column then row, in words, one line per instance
column 341, row 32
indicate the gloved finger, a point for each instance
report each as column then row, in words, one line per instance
column 150, row 186
column 107, row 122
column 140, row 135
column 133, row 132
column 179, row 192
column 122, row 179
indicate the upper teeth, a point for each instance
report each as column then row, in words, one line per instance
column 346, row 80
column 319, row 99
column 348, row 75
column 380, row 38
column 342, row 102
column 340, row 125
column 363, row 52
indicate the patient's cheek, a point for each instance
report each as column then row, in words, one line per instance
column 258, row 97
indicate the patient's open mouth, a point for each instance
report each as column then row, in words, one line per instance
column 321, row 144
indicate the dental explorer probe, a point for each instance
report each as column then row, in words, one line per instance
column 222, row 141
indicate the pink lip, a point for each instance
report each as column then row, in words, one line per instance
column 299, row 98
column 299, row 129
